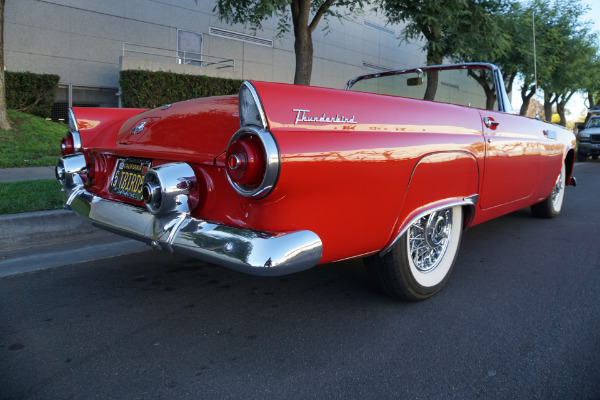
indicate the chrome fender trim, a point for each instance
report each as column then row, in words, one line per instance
column 470, row 201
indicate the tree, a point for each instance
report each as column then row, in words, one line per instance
column 450, row 27
column 255, row 12
column 542, row 15
column 4, row 122
column 570, row 53
column 592, row 83
column 569, row 76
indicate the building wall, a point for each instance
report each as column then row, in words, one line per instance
column 82, row 42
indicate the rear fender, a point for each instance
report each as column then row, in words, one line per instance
column 98, row 127
column 439, row 180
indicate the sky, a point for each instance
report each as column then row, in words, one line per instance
column 576, row 105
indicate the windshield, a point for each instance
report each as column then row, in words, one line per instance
column 472, row 87
column 594, row 123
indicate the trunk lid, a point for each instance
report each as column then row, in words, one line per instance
column 195, row 130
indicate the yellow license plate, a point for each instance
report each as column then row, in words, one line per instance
column 129, row 177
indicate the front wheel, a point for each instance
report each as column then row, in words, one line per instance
column 420, row 262
column 550, row 207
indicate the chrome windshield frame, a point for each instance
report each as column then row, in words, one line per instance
column 502, row 98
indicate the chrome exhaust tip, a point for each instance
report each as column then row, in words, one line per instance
column 166, row 188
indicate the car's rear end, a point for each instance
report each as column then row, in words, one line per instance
column 181, row 178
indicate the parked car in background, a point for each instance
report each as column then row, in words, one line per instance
column 588, row 140
column 283, row 178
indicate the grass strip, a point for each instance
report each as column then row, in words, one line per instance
column 33, row 141
column 27, row 196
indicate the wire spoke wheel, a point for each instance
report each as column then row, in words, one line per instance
column 419, row 264
column 558, row 192
column 551, row 206
column 428, row 239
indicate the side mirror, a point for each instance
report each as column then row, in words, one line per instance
column 416, row 81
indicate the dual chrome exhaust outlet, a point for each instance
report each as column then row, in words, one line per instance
column 166, row 188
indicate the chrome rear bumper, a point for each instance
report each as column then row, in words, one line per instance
column 248, row 251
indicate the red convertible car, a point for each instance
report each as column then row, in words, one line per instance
column 283, row 177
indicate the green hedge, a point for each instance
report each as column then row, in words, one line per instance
column 31, row 93
column 147, row 89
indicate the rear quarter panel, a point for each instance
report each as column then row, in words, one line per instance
column 347, row 181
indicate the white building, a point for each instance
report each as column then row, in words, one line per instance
column 87, row 43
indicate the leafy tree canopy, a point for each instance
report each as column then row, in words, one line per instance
column 449, row 27
column 302, row 15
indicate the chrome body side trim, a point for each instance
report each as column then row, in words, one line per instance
column 261, row 112
column 469, row 201
column 74, row 131
column 244, row 250
column 73, row 121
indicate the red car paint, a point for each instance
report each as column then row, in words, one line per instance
column 356, row 178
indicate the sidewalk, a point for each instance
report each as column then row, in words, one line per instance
column 26, row 174
column 52, row 230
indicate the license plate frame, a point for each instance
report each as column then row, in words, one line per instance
column 127, row 180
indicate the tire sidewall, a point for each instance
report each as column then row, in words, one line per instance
column 556, row 208
column 419, row 285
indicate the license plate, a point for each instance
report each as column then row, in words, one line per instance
column 128, row 178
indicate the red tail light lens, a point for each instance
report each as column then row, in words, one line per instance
column 66, row 145
column 246, row 161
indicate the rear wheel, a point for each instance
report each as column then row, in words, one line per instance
column 420, row 262
column 551, row 206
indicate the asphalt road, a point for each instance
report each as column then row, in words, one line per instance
column 518, row 319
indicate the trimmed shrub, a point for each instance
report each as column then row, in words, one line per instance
column 148, row 89
column 31, row 93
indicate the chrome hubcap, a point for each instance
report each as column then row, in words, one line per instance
column 428, row 239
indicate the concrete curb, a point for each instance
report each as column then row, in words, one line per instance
column 42, row 228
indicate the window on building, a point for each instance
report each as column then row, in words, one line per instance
column 189, row 47
column 82, row 96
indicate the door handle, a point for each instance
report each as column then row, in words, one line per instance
column 489, row 123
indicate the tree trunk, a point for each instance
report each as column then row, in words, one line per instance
column 548, row 101
column 488, row 87
column 526, row 95
column 303, row 44
column 490, row 99
column 591, row 104
column 433, row 58
column 4, row 122
column 560, row 109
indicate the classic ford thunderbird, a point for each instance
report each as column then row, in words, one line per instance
column 282, row 178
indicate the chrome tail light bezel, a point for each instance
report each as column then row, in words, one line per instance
column 253, row 122
column 272, row 161
column 73, row 135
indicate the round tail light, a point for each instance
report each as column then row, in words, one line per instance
column 71, row 143
column 252, row 159
column 246, row 163
column 66, row 145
